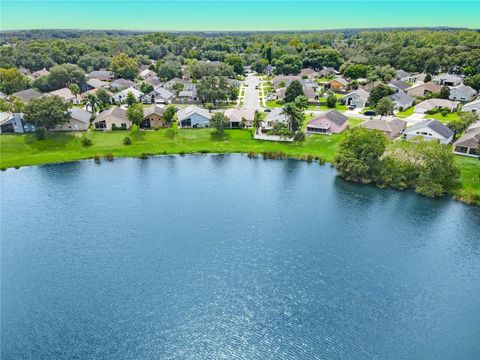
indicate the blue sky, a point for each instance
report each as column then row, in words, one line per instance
column 245, row 15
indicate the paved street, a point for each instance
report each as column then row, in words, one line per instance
column 252, row 94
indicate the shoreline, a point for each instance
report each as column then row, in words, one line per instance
column 455, row 195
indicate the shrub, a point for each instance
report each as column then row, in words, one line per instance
column 86, row 141
column 96, row 158
column 109, row 156
column 127, row 140
column 144, row 156
column 252, row 154
column 273, row 155
column 41, row 133
column 299, row 136
column 444, row 112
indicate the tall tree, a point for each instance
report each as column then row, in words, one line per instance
column 294, row 90
column 124, row 66
column 12, row 80
column 295, row 117
column 135, row 114
column 384, row 107
column 46, row 112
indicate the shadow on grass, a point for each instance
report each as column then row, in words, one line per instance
column 52, row 140
column 219, row 136
column 171, row 134
column 137, row 135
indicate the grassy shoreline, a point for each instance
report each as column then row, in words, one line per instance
column 25, row 150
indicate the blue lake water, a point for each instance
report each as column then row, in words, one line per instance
column 225, row 257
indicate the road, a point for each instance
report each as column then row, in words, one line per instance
column 252, row 95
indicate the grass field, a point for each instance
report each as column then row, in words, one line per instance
column 24, row 149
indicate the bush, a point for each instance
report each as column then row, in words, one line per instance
column 109, row 156
column 96, row 158
column 41, row 133
column 127, row 140
column 445, row 112
column 86, row 141
column 299, row 136
column 252, row 154
column 268, row 155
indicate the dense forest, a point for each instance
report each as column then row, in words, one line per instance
column 413, row 50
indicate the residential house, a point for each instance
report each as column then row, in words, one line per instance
column 189, row 92
column 420, row 90
column 103, row 75
column 280, row 81
column 11, row 123
column 447, row 79
column 193, row 117
column 65, row 94
column 25, row 71
column 40, row 73
column 469, row 143
column 79, row 121
column 338, row 84
column 331, row 122
column 96, row 84
column 462, row 93
column 416, row 78
column 237, row 116
column 401, row 75
column 391, row 127
column 430, row 130
column 121, row 84
column 357, row 98
column 439, row 104
column 169, row 85
column 328, row 71
column 274, row 117
column 3, row 96
column 112, row 118
column 146, row 73
column 153, row 118
column 121, row 96
column 27, row 95
column 153, row 80
column 158, row 96
column 398, row 85
column 308, row 73
column 473, row 106
column 401, row 101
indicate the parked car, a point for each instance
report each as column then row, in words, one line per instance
column 351, row 107
column 267, row 110
column 370, row 113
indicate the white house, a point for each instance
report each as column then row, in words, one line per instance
column 11, row 123
column 473, row 106
column 113, row 118
column 193, row 117
column 430, row 130
column 275, row 116
column 431, row 104
column 121, row 96
column 158, row 96
column 462, row 93
column 358, row 98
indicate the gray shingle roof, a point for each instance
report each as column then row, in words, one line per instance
column 80, row 115
column 435, row 125
column 401, row 98
column 333, row 116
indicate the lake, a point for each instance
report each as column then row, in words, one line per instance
column 226, row 257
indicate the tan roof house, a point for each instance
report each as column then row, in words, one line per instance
column 338, row 84
column 153, row 118
column 113, row 118
column 431, row 104
column 420, row 90
column 392, row 127
column 40, row 73
column 236, row 116
column 27, row 95
column 65, row 94
column 79, row 121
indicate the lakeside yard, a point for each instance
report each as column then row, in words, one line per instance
column 23, row 150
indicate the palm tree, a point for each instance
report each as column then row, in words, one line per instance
column 257, row 121
column 75, row 90
column 295, row 116
column 92, row 102
column 301, row 102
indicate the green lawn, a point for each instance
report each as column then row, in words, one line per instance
column 24, row 149
column 405, row 113
column 445, row 119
